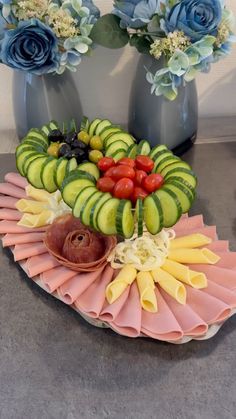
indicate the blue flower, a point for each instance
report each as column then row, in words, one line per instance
column 195, row 18
column 31, row 47
column 135, row 13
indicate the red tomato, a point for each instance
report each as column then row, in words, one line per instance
column 153, row 182
column 105, row 163
column 109, row 172
column 127, row 162
column 123, row 188
column 138, row 193
column 121, row 171
column 140, row 176
column 105, row 184
column 144, row 163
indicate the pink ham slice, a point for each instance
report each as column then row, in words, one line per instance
column 219, row 246
column 13, row 228
column 224, row 277
column 223, row 294
column 189, row 223
column 210, row 309
column 8, row 202
column 16, row 179
column 228, row 259
column 24, row 251
column 161, row 325
column 13, row 239
column 209, row 231
column 56, row 276
column 189, row 321
column 128, row 321
column 92, row 300
column 74, row 287
column 39, row 264
column 12, row 190
column 110, row 311
column 10, row 214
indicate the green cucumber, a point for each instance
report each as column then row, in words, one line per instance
column 166, row 162
column 171, row 207
column 125, row 219
column 106, row 218
column 185, row 174
column 45, row 130
column 178, row 165
column 93, row 126
column 28, row 159
column 60, row 171
column 159, row 157
column 84, row 126
column 37, row 145
column 71, row 165
column 157, row 149
column 139, row 216
column 96, row 207
column 20, row 158
column 153, row 214
column 47, row 174
column 119, row 136
column 118, row 154
column 24, row 147
column 34, row 171
column 143, row 148
column 115, row 146
column 90, row 168
column 132, row 151
column 82, row 197
column 73, row 184
column 184, row 196
column 87, row 207
column 181, row 181
column 103, row 124
column 38, row 135
column 53, row 125
column 106, row 132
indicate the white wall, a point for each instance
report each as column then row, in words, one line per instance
column 104, row 83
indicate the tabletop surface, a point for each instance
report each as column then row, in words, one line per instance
column 55, row 365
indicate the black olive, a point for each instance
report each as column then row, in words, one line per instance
column 70, row 137
column 79, row 144
column 64, row 150
column 80, row 155
column 55, row 135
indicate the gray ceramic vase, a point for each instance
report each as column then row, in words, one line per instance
column 157, row 119
column 39, row 99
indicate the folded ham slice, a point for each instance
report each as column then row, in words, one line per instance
column 76, row 246
column 9, row 214
column 8, row 202
column 12, row 190
column 24, row 251
column 222, row 276
column 55, row 277
column 189, row 223
column 13, row 239
column 13, row 228
column 16, row 179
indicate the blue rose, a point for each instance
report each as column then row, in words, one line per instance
column 135, row 13
column 196, row 18
column 31, row 47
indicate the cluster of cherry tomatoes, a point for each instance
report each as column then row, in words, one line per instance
column 128, row 178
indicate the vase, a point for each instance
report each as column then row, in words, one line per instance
column 157, row 119
column 39, row 99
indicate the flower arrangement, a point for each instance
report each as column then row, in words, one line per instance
column 46, row 36
column 188, row 35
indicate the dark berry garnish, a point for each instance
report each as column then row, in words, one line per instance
column 64, row 150
column 79, row 144
column 70, row 137
column 80, row 155
column 55, row 135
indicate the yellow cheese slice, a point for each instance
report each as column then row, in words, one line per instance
column 197, row 279
column 185, row 274
column 33, row 207
column 193, row 256
column 172, row 286
column 191, row 241
column 124, row 278
column 35, row 220
column 147, row 294
column 37, row 194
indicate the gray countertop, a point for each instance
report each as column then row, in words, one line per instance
column 54, row 365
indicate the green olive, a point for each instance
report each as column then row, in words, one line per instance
column 95, row 156
column 96, row 143
column 53, row 149
column 83, row 136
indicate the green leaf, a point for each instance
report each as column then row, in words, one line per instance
column 140, row 43
column 108, row 33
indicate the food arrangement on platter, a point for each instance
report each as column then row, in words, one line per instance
column 109, row 234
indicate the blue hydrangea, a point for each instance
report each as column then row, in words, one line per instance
column 135, row 13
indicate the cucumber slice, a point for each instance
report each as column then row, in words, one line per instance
column 122, row 136
column 90, row 168
column 87, row 207
column 171, row 207
column 73, row 184
column 106, row 132
column 84, row 126
column 119, row 154
column 143, row 148
column 53, row 125
column 34, row 171
column 157, row 149
column 139, row 216
column 153, row 214
column 166, row 162
column 96, row 207
column 20, row 159
column 45, row 130
column 106, row 218
column 181, row 181
column 116, row 146
column 35, row 133
column 93, row 126
column 47, row 174
column 37, row 145
column 82, row 197
column 73, row 127
column 178, row 165
column 159, row 157
column 24, row 147
column 28, row 160
column 125, row 219
column 132, row 151
column 103, row 124
column 184, row 196
column 60, row 171
column 71, row 165
column 185, row 174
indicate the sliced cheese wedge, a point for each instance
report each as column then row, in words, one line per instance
column 168, row 283
column 193, row 256
column 35, row 220
column 146, row 287
column 190, row 242
column 124, row 278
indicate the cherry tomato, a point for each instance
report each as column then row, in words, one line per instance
column 127, row 162
column 140, row 175
column 105, row 184
column 121, row 171
column 123, row 188
column 105, row 163
column 138, row 193
column 144, row 163
column 153, row 182
column 109, row 172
